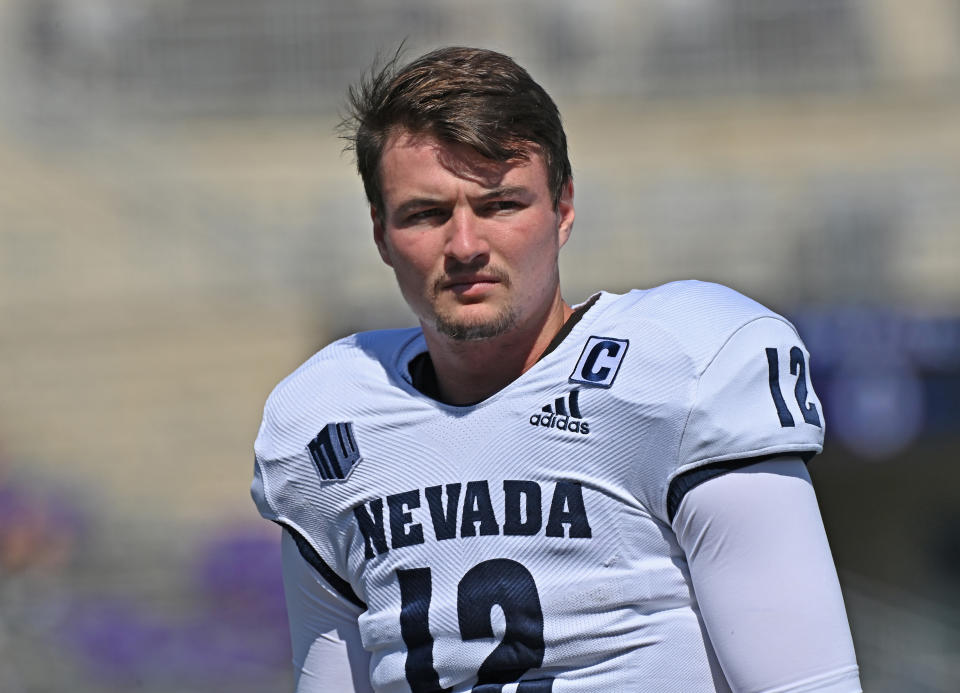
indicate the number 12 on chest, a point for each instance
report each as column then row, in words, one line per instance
column 500, row 582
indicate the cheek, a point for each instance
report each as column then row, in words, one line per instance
column 408, row 249
column 414, row 261
column 537, row 249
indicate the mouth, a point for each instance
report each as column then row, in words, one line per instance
column 470, row 285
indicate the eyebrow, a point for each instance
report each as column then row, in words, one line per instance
column 505, row 191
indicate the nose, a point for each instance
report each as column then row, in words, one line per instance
column 466, row 241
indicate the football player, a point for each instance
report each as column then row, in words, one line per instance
column 527, row 496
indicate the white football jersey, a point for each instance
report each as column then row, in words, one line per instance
column 526, row 540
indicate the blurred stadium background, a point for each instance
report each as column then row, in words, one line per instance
column 179, row 229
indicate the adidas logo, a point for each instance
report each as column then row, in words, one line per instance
column 563, row 415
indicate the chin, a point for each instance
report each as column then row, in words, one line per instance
column 464, row 329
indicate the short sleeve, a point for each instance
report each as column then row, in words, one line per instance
column 278, row 473
column 286, row 486
column 753, row 399
column 285, row 489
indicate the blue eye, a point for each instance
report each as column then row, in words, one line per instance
column 503, row 205
column 424, row 214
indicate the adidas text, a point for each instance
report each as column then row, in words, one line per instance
column 561, row 422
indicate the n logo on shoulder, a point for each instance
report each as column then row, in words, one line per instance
column 600, row 361
column 335, row 451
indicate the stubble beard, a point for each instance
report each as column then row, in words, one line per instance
column 463, row 330
column 467, row 331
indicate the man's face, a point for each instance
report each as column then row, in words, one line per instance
column 473, row 242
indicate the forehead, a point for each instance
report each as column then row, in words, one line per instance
column 417, row 164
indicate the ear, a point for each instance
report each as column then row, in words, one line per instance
column 379, row 235
column 565, row 212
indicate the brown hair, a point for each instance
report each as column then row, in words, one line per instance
column 470, row 96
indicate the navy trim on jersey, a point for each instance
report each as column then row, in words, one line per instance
column 688, row 481
column 310, row 555
column 571, row 322
column 423, row 377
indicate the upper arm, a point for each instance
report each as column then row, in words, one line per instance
column 753, row 398
column 328, row 654
column 765, row 581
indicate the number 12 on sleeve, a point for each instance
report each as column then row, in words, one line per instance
column 798, row 368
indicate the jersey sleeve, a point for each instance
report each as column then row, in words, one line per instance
column 285, row 489
column 753, row 399
column 282, row 489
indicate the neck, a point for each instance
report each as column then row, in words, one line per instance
column 470, row 371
